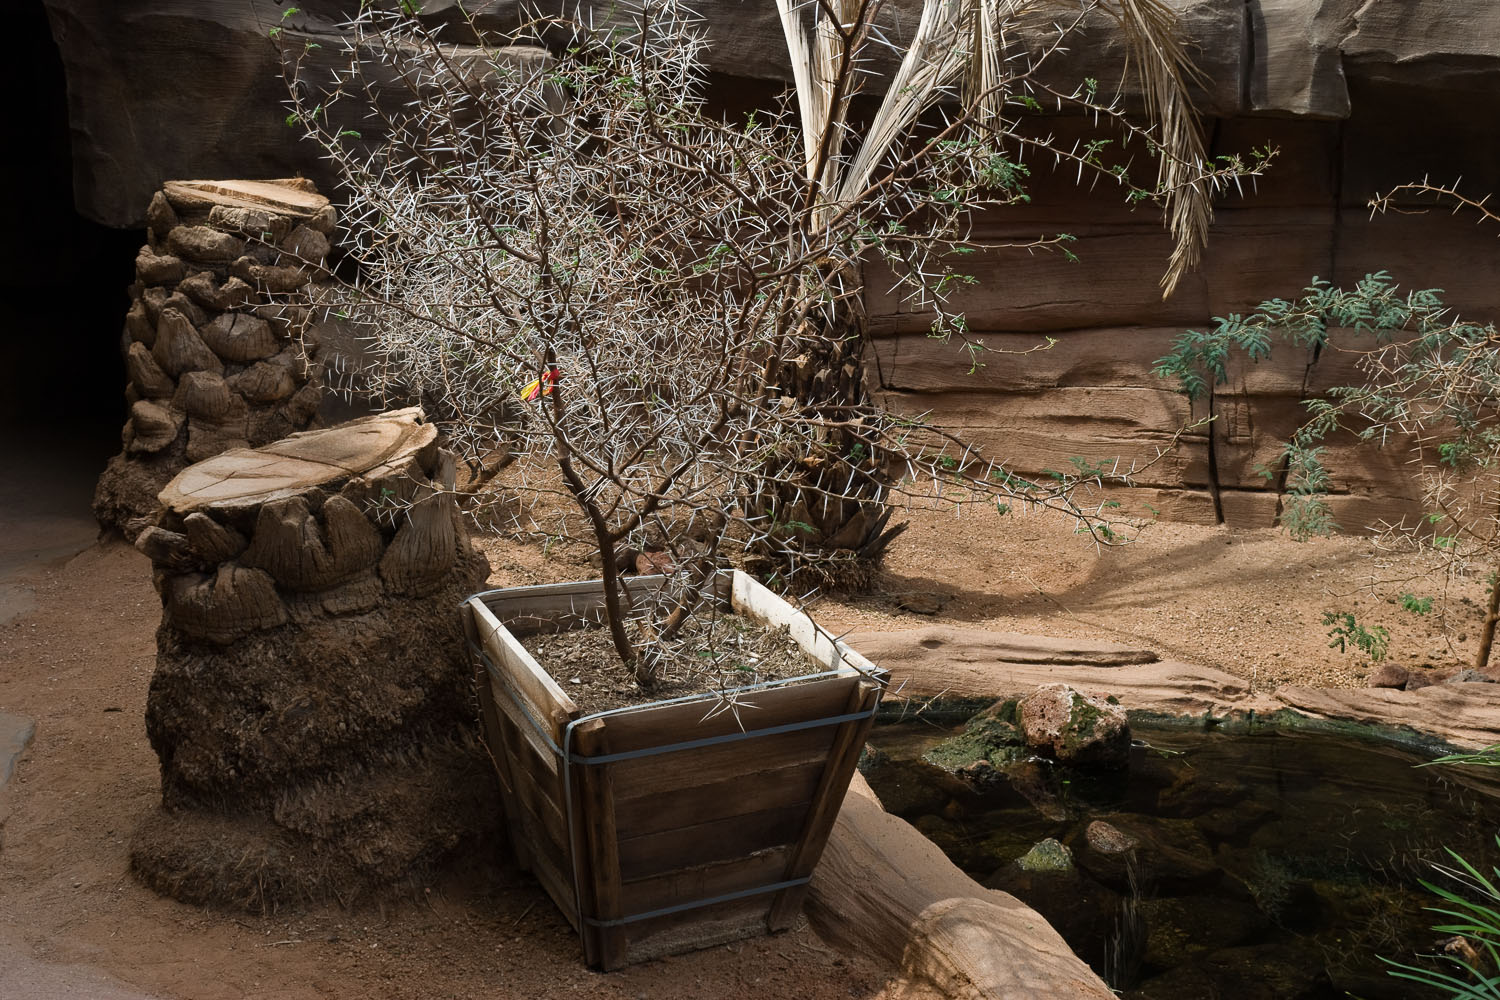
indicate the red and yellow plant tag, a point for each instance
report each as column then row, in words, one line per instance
column 537, row 388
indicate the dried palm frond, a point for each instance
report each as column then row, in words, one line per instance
column 1164, row 70
column 811, row 114
column 962, row 42
column 932, row 62
column 984, row 87
column 827, row 76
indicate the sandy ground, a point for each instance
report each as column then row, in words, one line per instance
column 1250, row 603
column 76, row 652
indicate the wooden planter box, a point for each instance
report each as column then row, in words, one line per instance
column 661, row 828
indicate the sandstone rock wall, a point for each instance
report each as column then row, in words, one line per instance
column 1092, row 394
column 1358, row 95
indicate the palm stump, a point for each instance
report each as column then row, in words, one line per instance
column 311, row 704
column 216, row 343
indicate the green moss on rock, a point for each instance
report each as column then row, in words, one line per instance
column 986, row 738
column 1049, row 855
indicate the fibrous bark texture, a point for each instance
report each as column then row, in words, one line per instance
column 311, row 704
column 217, row 347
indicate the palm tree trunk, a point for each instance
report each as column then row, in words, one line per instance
column 831, row 523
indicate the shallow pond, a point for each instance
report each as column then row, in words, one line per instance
column 1275, row 865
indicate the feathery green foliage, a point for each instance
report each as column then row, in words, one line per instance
column 1432, row 384
column 1347, row 631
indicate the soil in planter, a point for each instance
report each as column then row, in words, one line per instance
column 713, row 653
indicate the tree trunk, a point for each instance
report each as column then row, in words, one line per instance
column 1487, row 630
column 217, row 353
column 828, row 521
column 312, row 701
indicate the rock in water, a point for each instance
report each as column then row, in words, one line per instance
column 1074, row 728
column 1107, row 839
column 989, row 738
column 1049, row 855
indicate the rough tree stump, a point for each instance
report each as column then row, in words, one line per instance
column 217, row 347
column 312, row 704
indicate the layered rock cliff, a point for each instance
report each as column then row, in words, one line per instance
column 1358, row 96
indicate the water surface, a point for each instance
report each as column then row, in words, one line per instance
column 1275, row 865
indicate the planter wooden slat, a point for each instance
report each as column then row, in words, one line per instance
column 750, row 595
column 719, row 800
column 677, row 773
column 535, row 803
column 709, row 881
column 691, row 930
column 522, row 736
column 842, row 760
column 705, row 843
column 489, row 719
column 680, row 824
column 558, row 884
column 530, row 775
column 600, row 843
column 534, row 820
column 813, row 699
column 533, row 688
column 553, row 607
column 542, row 815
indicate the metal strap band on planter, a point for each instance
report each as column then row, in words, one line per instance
column 520, row 703
column 708, row 741
column 728, row 897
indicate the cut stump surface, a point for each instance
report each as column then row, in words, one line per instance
column 246, row 477
column 294, row 197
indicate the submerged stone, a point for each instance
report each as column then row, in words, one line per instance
column 1075, row 728
column 949, row 836
column 1181, row 929
column 1088, row 915
column 990, row 738
column 1050, row 855
column 1149, row 854
column 1248, row 972
column 1196, row 792
column 1109, row 839
column 909, row 788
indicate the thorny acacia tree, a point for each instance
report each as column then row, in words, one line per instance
column 568, row 255
column 1431, row 390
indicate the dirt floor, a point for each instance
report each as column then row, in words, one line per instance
column 1250, row 603
column 76, row 653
